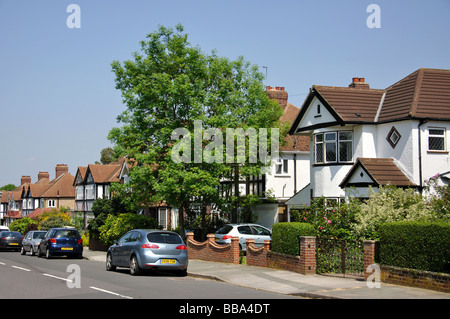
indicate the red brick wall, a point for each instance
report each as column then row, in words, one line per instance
column 257, row 256
column 210, row 251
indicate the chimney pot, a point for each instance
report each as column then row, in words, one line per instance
column 355, row 80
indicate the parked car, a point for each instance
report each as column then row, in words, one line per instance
column 31, row 241
column 141, row 249
column 61, row 241
column 10, row 240
column 243, row 231
column 3, row 228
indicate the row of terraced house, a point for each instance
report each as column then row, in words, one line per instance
column 341, row 138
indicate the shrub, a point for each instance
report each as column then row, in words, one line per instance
column 116, row 226
column 391, row 204
column 22, row 225
column 416, row 245
column 285, row 237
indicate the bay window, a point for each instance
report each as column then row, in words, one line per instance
column 333, row 147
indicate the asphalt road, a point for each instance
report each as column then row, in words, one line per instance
column 30, row 277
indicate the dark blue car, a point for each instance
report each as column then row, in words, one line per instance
column 61, row 241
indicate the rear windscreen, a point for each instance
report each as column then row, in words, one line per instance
column 38, row 235
column 67, row 233
column 225, row 229
column 164, row 238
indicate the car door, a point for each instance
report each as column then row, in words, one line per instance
column 118, row 250
column 260, row 234
column 129, row 245
column 26, row 243
column 245, row 232
column 44, row 242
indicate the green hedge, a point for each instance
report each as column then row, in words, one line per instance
column 416, row 245
column 285, row 237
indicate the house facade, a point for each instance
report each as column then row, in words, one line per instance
column 93, row 182
column 362, row 137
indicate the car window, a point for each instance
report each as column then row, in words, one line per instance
column 11, row 234
column 38, row 235
column 67, row 233
column 134, row 236
column 125, row 238
column 224, row 230
column 261, row 231
column 164, row 238
column 245, row 230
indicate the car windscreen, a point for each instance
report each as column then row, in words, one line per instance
column 11, row 234
column 39, row 235
column 164, row 238
column 225, row 229
column 67, row 233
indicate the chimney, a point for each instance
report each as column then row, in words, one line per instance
column 278, row 93
column 61, row 169
column 42, row 175
column 25, row 180
column 359, row 83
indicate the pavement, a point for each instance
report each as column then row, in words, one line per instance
column 295, row 284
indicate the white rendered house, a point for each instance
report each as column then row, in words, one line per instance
column 361, row 137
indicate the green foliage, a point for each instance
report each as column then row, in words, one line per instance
column 168, row 85
column 416, row 245
column 55, row 218
column 22, row 225
column 285, row 236
column 329, row 219
column 104, row 207
column 440, row 203
column 8, row 187
column 116, row 226
column 391, row 204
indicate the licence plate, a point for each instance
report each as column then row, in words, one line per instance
column 168, row 261
column 14, row 244
column 216, row 239
column 66, row 248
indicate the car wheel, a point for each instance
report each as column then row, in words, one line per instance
column 109, row 263
column 32, row 251
column 22, row 251
column 47, row 254
column 134, row 267
column 39, row 254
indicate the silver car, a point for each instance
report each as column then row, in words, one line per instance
column 141, row 249
column 243, row 231
column 31, row 242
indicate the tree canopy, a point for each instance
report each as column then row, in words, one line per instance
column 180, row 102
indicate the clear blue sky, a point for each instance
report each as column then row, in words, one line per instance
column 57, row 93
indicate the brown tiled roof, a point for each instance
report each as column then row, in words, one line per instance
column 61, row 186
column 383, row 171
column 424, row 94
column 352, row 104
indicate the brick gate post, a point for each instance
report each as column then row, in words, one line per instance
column 307, row 262
column 369, row 255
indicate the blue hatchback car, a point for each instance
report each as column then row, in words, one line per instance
column 61, row 241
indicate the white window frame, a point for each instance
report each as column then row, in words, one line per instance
column 282, row 166
column 443, row 137
column 327, row 141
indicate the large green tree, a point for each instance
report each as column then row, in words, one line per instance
column 180, row 102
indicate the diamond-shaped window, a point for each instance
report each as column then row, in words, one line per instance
column 393, row 137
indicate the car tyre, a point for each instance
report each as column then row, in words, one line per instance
column 48, row 255
column 135, row 270
column 32, row 251
column 22, row 251
column 109, row 263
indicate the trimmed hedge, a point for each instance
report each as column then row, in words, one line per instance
column 285, row 237
column 416, row 245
